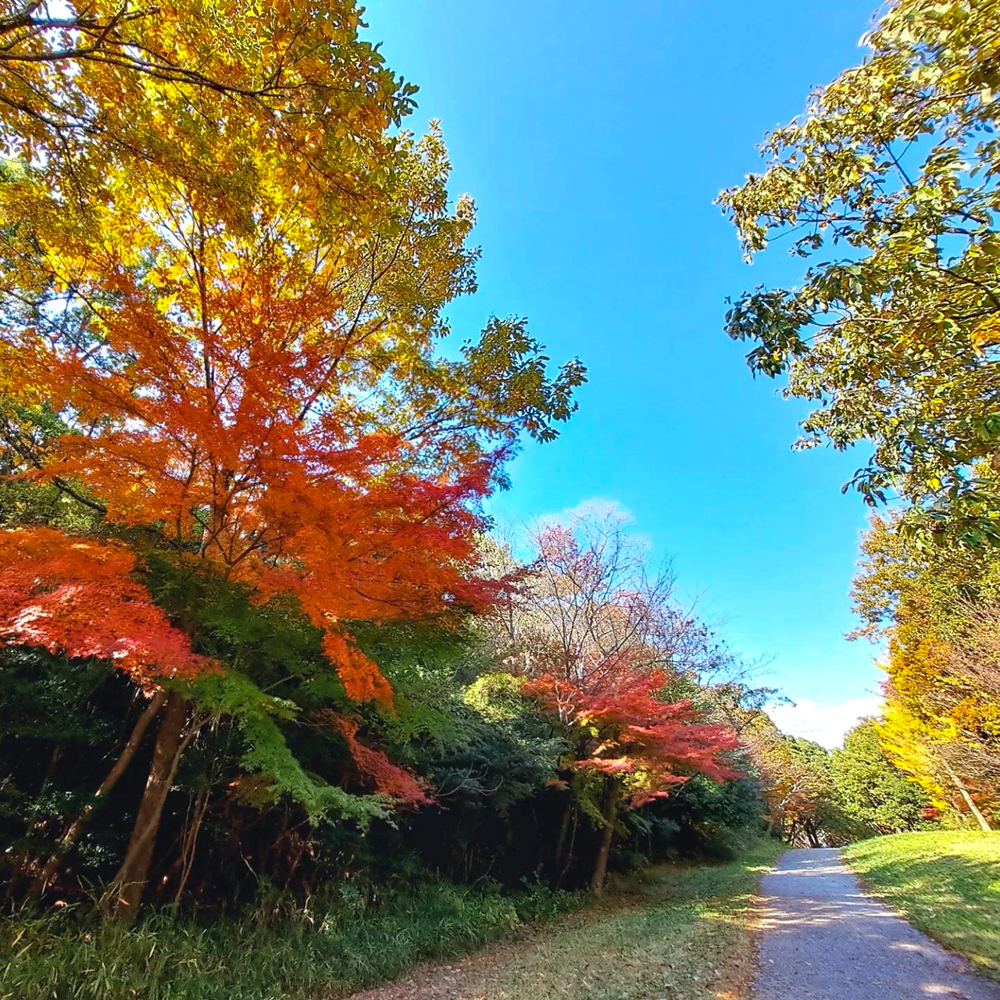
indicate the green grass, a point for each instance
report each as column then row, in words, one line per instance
column 65, row 956
column 946, row 883
column 674, row 931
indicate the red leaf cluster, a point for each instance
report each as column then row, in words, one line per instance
column 623, row 729
column 78, row 597
column 387, row 778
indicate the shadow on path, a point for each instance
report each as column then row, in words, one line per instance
column 825, row 940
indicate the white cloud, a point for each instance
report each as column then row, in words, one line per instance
column 824, row 724
column 591, row 509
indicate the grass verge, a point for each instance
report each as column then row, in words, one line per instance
column 673, row 933
column 678, row 932
column 947, row 883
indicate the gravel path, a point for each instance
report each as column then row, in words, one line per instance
column 825, row 940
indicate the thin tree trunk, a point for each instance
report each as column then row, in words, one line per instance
column 190, row 840
column 42, row 880
column 964, row 792
column 563, row 833
column 603, row 852
column 570, row 849
column 126, row 890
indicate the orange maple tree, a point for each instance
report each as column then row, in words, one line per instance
column 268, row 400
column 78, row 597
column 261, row 393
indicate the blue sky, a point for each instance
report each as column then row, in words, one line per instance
column 594, row 138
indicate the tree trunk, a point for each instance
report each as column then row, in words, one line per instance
column 189, row 840
column 964, row 792
column 43, row 879
column 570, row 849
column 563, row 834
column 811, row 834
column 125, row 892
column 607, row 835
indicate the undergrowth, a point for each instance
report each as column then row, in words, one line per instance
column 335, row 947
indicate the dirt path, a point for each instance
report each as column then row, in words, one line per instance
column 825, row 940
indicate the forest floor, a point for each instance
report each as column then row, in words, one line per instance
column 672, row 933
column 947, row 883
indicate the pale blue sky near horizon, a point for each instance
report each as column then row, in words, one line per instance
column 594, row 138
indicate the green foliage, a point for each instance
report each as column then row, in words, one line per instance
column 701, row 819
column 892, row 175
column 276, row 674
column 946, row 883
column 870, row 789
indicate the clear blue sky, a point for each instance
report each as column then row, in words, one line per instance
column 594, row 138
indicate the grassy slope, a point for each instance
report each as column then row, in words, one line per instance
column 677, row 932
column 946, row 883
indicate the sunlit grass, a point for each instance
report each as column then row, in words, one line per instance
column 678, row 932
column 946, row 883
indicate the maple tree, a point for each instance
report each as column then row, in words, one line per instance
column 607, row 651
column 50, row 586
column 587, row 602
column 628, row 746
column 245, row 367
column 265, row 399
column 892, row 172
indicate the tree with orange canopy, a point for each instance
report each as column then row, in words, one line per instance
column 250, row 383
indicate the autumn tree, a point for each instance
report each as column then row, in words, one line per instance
column 891, row 175
column 605, row 646
column 180, row 84
column 795, row 783
column 628, row 745
column 247, row 381
column 585, row 602
column 939, row 724
column 929, row 750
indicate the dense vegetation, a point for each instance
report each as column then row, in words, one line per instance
column 329, row 948
column 705, row 911
column 947, row 883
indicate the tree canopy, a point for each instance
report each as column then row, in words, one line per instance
column 888, row 185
